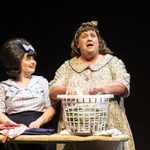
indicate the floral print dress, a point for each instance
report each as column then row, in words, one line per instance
column 108, row 69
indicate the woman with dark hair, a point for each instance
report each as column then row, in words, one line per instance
column 11, row 54
column 94, row 70
column 24, row 97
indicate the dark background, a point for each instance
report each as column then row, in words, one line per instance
column 124, row 26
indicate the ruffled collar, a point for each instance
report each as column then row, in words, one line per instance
column 78, row 67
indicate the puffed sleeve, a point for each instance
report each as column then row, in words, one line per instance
column 60, row 76
column 2, row 99
column 44, row 84
column 120, row 74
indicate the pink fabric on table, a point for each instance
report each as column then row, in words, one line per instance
column 11, row 130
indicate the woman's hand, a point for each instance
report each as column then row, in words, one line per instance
column 70, row 91
column 93, row 90
column 35, row 124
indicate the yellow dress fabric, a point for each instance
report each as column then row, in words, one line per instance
column 108, row 69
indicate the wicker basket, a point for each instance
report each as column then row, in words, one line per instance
column 86, row 114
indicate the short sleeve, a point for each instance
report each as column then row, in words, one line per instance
column 120, row 74
column 44, row 84
column 2, row 99
column 60, row 76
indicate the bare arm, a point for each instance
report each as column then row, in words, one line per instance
column 115, row 88
column 44, row 118
column 4, row 118
column 62, row 90
column 57, row 90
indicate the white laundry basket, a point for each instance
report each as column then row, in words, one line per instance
column 86, row 114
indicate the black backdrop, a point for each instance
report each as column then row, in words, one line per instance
column 125, row 28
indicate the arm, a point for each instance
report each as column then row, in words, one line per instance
column 44, row 118
column 120, row 84
column 49, row 111
column 4, row 119
column 61, row 90
column 57, row 85
column 121, row 78
column 115, row 88
column 56, row 91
